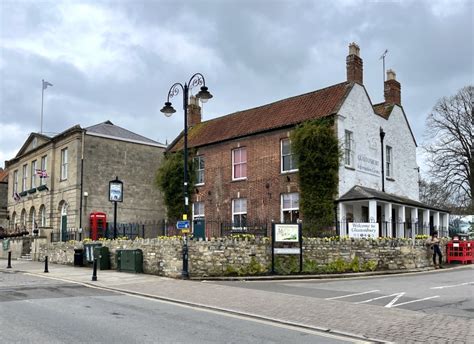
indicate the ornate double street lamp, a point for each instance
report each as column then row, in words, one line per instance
column 203, row 95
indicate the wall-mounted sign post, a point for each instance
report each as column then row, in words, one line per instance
column 115, row 195
column 287, row 233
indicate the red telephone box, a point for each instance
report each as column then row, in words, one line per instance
column 98, row 223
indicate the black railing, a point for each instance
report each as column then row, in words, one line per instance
column 220, row 228
column 71, row 234
column 257, row 228
column 125, row 230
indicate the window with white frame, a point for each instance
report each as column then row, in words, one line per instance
column 25, row 178
column 64, row 164
column 199, row 168
column 44, row 165
column 389, row 161
column 33, row 173
column 43, row 216
column 198, row 210
column 15, row 181
column 239, row 213
column 239, row 163
column 290, row 207
column 349, row 148
column 289, row 162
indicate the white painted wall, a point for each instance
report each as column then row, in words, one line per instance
column 357, row 115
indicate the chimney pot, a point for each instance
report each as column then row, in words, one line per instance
column 193, row 100
column 354, row 49
column 391, row 75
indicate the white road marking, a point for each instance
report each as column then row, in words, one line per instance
column 397, row 296
column 395, row 299
column 405, row 303
column 452, row 286
column 340, row 297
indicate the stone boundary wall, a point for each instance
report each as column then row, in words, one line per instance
column 252, row 256
column 17, row 246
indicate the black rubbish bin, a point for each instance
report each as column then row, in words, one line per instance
column 78, row 257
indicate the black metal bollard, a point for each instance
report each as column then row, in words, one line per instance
column 46, row 264
column 94, row 270
column 185, row 272
column 9, row 266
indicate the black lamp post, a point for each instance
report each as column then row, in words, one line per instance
column 382, row 135
column 204, row 95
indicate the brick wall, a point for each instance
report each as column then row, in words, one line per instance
column 263, row 186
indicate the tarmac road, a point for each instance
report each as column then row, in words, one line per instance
column 39, row 310
column 448, row 291
column 302, row 309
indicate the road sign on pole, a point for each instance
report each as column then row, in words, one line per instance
column 182, row 224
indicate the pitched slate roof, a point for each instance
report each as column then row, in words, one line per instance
column 358, row 193
column 108, row 129
column 280, row 114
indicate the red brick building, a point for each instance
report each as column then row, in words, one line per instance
column 247, row 174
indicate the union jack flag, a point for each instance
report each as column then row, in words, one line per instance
column 41, row 173
column 16, row 197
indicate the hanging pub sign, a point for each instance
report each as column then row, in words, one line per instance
column 286, row 234
column 115, row 190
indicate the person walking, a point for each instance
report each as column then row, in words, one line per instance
column 434, row 245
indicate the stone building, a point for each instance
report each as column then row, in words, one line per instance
column 55, row 183
column 247, row 172
column 3, row 198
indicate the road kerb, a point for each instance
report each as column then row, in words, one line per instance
column 215, row 309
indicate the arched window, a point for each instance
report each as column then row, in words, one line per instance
column 14, row 220
column 23, row 219
column 33, row 218
column 42, row 214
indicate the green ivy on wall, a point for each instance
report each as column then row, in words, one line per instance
column 317, row 149
column 169, row 180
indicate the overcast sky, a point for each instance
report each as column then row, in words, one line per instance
column 115, row 60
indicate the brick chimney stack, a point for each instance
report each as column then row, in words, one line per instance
column 392, row 89
column 194, row 112
column 354, row 64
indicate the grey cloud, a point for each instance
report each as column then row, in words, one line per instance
column 262, row 51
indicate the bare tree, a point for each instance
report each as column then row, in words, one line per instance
column 450, row 150
column 433, row 194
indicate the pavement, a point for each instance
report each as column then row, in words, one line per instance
column 360, row 321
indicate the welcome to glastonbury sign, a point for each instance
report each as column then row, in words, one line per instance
column 363, row 230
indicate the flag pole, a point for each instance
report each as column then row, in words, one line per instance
column 42, row 96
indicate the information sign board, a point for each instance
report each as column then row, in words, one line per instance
column 286, row 232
